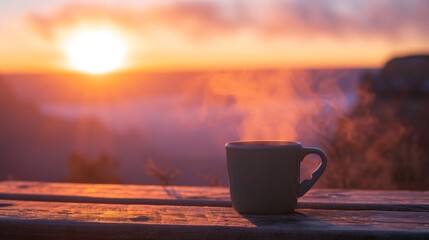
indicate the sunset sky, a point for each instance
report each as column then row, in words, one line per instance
column 54, row 35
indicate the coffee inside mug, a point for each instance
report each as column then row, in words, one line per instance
column 272, row 143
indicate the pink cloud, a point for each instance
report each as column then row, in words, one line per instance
column 393, row 19
column 193, row 20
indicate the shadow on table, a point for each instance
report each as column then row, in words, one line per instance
column 292, row 220
column 171, row 192
column 6, row 204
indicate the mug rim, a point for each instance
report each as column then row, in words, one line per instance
column 261, row 144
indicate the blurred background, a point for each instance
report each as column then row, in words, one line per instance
column 149, row 92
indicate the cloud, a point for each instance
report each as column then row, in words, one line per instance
column 194, row 20
column 389, row 19
column 392, row 19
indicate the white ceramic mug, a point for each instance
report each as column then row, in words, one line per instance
column 264, row 175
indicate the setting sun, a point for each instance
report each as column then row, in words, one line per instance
column 96, row 51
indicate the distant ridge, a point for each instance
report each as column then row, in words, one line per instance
column 406, row 76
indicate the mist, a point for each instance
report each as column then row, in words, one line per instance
column 171, row 128
column 180, row 121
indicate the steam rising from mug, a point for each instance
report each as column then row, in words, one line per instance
column 275, row 104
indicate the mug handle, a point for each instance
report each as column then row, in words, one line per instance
column 308, row 183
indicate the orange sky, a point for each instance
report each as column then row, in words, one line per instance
column 192, row 35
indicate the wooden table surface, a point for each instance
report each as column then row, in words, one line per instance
column 36, row 210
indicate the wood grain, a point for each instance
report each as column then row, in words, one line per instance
column 36, row 210
column 207, row 196
column 49, row 220
column 115, row 190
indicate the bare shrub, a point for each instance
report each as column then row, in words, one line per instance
column 163, row 174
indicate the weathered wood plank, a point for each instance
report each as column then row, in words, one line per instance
column 106, row 231
column 116, row 200
column 207, row 196
column 115, row 190
column 24, row 219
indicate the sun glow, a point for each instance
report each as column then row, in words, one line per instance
column 96, row 51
